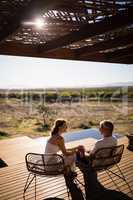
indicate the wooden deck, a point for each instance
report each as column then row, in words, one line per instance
column 13, row 177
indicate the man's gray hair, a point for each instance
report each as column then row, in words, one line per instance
column 107, row 124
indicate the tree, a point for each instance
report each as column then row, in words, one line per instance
column 47, row 113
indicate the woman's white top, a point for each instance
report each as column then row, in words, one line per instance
column 51, row 148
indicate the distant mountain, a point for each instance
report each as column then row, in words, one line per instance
column 120, row 84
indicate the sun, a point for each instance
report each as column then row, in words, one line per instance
column 39, row 23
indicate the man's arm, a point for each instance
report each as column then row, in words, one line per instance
column 95, row 148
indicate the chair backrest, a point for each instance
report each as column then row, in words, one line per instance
column 106, row 157
column 45, row 164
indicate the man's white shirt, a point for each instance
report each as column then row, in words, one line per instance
column 104, row 142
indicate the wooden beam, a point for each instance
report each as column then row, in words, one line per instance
column 100, row 57
column 120, row 52
column 90, row 30
column 118, row 56
column 127, row 59
column 17, row 49
column 29, row 50
column 109, row 44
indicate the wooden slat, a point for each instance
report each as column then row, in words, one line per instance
column 90, row 30
column 109, row 44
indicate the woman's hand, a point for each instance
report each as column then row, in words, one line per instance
column 81, row 147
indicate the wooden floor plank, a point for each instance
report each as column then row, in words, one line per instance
column 13, row 177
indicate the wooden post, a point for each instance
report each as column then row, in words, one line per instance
column 130, row 142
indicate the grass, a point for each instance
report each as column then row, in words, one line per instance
column 130, row 117
column 19, row 119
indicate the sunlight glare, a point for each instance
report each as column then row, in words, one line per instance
column 39, row 23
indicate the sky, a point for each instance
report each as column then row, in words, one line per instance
column 28, row 72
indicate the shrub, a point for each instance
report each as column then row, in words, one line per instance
column 2, row 133
column 84, row 126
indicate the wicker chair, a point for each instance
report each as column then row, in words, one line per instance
column 43, row 165
column 105, row 158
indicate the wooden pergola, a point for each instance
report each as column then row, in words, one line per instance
column 89, row 30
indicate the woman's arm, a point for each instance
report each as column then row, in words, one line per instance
column 79, row 147
column 72, row 149
column 62, row 147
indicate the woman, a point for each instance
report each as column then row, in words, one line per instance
column 56, row 143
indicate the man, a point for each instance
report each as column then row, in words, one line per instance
column 92, row 185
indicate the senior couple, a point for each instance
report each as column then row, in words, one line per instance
column 76, row 156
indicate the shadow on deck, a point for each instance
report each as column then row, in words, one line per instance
column 13, row 177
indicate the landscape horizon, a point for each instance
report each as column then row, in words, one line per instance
column 115, row 84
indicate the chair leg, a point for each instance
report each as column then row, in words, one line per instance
column 107, row 171
column 80, row 183
column 122, row 177
column 68, row 193
column 35, row 187
column 27, row 184
column 69, row 188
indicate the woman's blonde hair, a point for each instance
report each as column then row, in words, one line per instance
column 58, row 123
